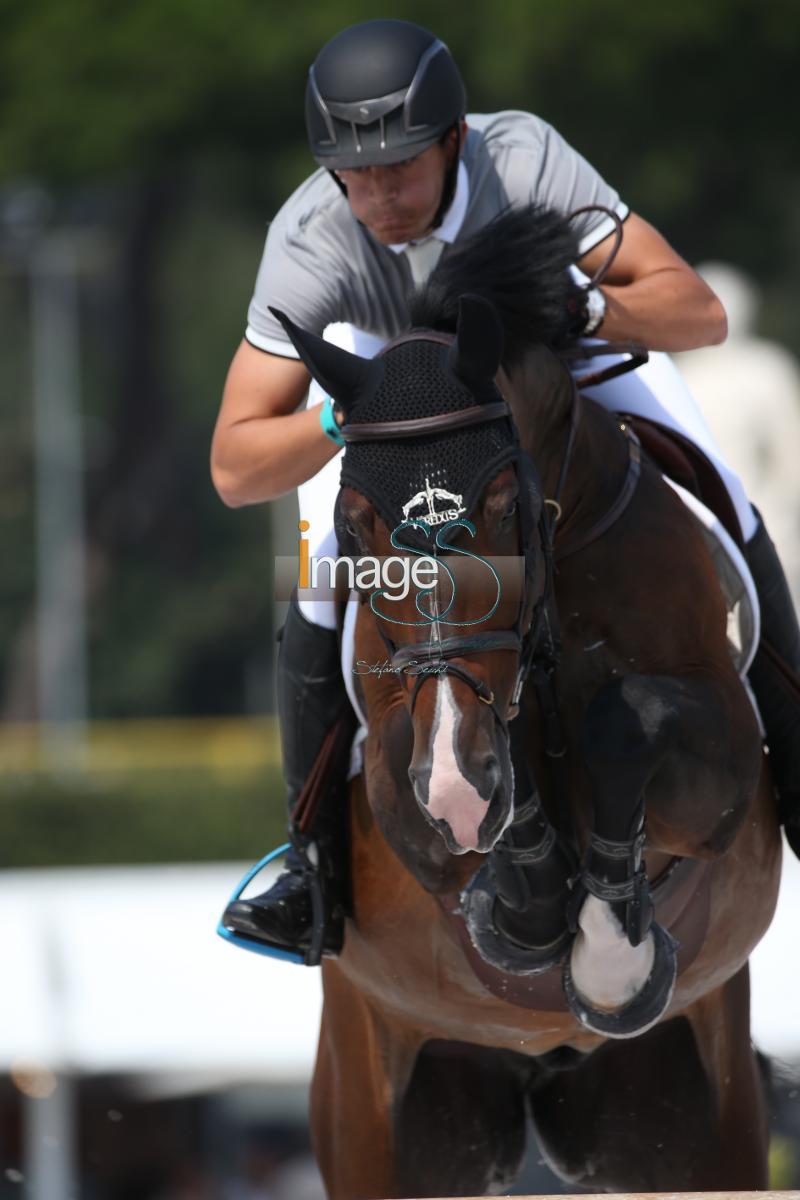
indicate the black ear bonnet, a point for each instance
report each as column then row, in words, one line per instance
column 429, row 478
column 434, row 477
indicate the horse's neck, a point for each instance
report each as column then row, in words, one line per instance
column 541, row 394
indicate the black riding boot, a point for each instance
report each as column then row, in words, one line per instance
column 777, row 697
column 316, row 723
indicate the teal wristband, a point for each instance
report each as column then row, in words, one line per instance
column 328, row 422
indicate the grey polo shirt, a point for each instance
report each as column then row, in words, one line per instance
column 320, row 265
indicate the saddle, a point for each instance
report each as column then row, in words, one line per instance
column 682, row 461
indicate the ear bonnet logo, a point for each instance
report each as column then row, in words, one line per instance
column 433, row 516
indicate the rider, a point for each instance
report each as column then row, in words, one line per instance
column 404, row 174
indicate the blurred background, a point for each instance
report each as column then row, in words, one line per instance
column 143, row 150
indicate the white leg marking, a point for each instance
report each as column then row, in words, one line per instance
column 606, row 969
column 451, row 797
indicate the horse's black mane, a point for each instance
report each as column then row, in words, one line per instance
column 519, row 262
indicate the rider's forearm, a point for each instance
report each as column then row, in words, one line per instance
column 667, row 310
column 264, row 457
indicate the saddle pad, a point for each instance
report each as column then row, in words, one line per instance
column 735, row 580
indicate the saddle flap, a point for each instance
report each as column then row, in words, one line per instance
column 682, row 461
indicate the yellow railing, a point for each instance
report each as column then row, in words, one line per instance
column 163, row 743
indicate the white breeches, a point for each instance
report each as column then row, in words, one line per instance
column 655, row 390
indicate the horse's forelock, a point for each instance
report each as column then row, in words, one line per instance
column 519, row 263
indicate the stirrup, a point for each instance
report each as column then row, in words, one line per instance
column 264, row 948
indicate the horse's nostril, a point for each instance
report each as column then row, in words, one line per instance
column 491, row 771
column 412, row 775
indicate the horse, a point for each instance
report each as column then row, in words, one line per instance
column 564, row 843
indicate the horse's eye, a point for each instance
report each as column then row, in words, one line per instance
column 354, row 536
column 510, row 513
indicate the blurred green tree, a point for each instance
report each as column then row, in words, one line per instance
column 177, row 125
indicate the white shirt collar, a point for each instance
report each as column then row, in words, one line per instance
column 450, row 227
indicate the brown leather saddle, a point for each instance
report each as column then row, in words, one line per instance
column 687, row 465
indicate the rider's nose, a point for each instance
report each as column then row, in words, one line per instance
column 383, row 184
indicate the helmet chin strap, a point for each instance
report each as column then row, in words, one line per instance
column 450, row 179
column 338, row 182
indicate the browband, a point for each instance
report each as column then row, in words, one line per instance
column 476, row 414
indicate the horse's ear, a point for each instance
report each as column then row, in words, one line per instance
column 477, row 351
column 344, row 376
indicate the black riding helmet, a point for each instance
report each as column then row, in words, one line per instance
column 380, row 92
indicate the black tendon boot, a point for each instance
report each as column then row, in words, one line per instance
column 515, row 908
column 778, row 695
column 304, row 909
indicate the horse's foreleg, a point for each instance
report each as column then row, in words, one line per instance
column 688, row 749
column 643, row 1116
column 721, row 1026
column 461, row 1127
column 362, row 1067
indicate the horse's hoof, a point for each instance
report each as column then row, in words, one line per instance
column 645, row 1009
column 477, row 908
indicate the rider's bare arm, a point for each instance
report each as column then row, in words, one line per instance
column 262, row 447
column 652, row 295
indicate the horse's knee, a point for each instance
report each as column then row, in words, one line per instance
column 681, row 745
column 629, row 724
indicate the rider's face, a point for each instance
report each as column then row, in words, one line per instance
column 398, row 203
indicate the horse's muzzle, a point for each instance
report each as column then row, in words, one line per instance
column 467, row 816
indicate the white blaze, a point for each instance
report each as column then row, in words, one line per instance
column 606, row 969
column 451, row 797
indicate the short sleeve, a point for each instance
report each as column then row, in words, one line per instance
column 564, row 180
column 297, row 275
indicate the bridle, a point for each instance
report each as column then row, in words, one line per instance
column 437, row 656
